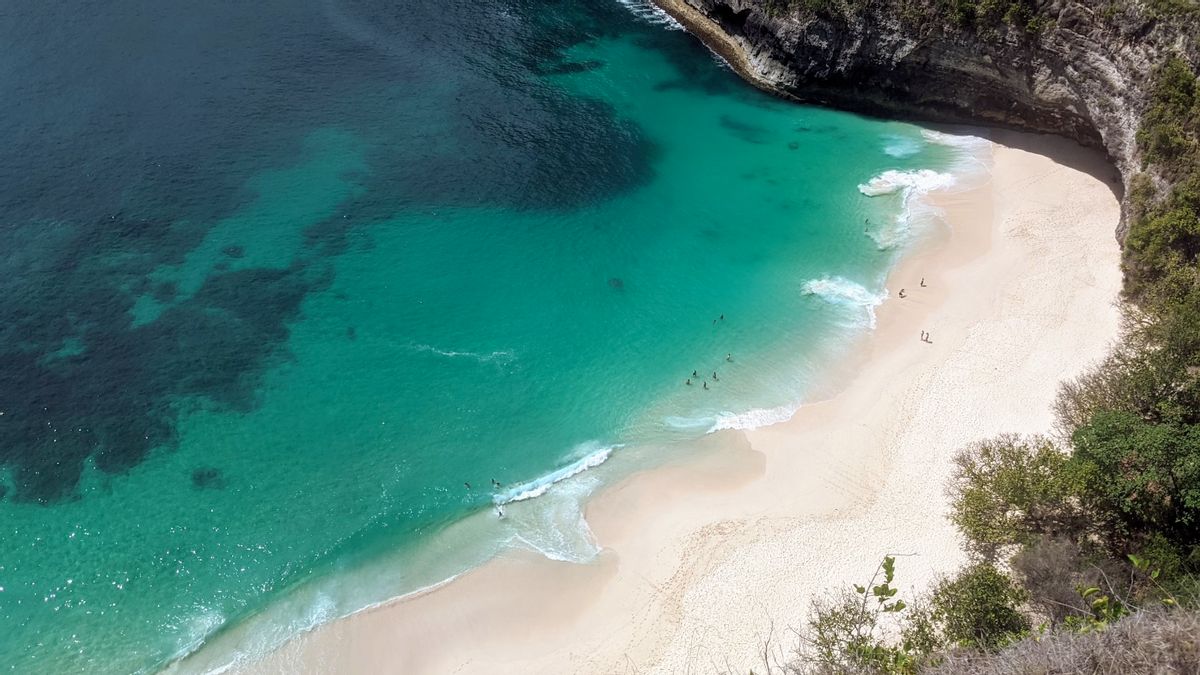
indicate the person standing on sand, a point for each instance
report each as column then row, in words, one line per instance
column 922, row 282
column 902, row 292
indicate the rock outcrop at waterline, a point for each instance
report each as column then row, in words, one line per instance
column 1074, row 70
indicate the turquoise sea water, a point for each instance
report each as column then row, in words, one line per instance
column 260, row 338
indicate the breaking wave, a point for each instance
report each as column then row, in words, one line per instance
column 589, row 455
column 912, row 186
column 920, row 181
column 750, row 419
column 845, row 293
column 651, row 13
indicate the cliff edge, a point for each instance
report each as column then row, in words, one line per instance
column 1080, row 70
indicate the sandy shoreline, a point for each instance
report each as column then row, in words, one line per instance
column 706, row 560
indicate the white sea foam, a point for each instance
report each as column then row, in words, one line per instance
column 502, row 357
column 899, row 146
column 971, row 152
column 588, row 455
column 912, row 186
column 964, row 141
column 920, row 181
column 554, row 526
column 970, row 158
column 845, row 293
column 651, row 13
column 196, row 630
column 754, row 419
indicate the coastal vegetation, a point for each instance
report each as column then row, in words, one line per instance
column 1085, row 546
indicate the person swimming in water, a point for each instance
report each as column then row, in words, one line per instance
column 729, row 357
column 714, row 376
column 706, row 384
column 688, row 382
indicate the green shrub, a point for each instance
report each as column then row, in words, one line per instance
column 1163, row 243
column 1008, row 490
column 978, row 609
column 1142, row 477
column 846, row 632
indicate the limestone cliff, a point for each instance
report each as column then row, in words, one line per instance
column 1082, row 73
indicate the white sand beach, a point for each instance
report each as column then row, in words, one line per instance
column 707, row 561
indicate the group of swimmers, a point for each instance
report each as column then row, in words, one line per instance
column 696, row 374
column 704, row 383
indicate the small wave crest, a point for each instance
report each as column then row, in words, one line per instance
column 971, row 152
column 912, row 186
column 845, row 293
column 501, row 357
column 754, row 419
column 588, row 456
column 651, row 13
column 555, row 526
column 964, row 141
column 892, row 181
column 750, row 419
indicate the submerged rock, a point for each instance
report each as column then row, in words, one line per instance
column 208, row 478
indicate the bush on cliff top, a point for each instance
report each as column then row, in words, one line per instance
column 1163, row 245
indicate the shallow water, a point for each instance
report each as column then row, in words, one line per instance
column 281, row 279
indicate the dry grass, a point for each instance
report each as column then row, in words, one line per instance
column 1147, row 642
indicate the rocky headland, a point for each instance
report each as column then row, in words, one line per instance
column 1079, row 70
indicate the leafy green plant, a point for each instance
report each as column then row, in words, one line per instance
column 978, row 608
column 846, row 633
column 1007, row 490
column 1142, row 477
